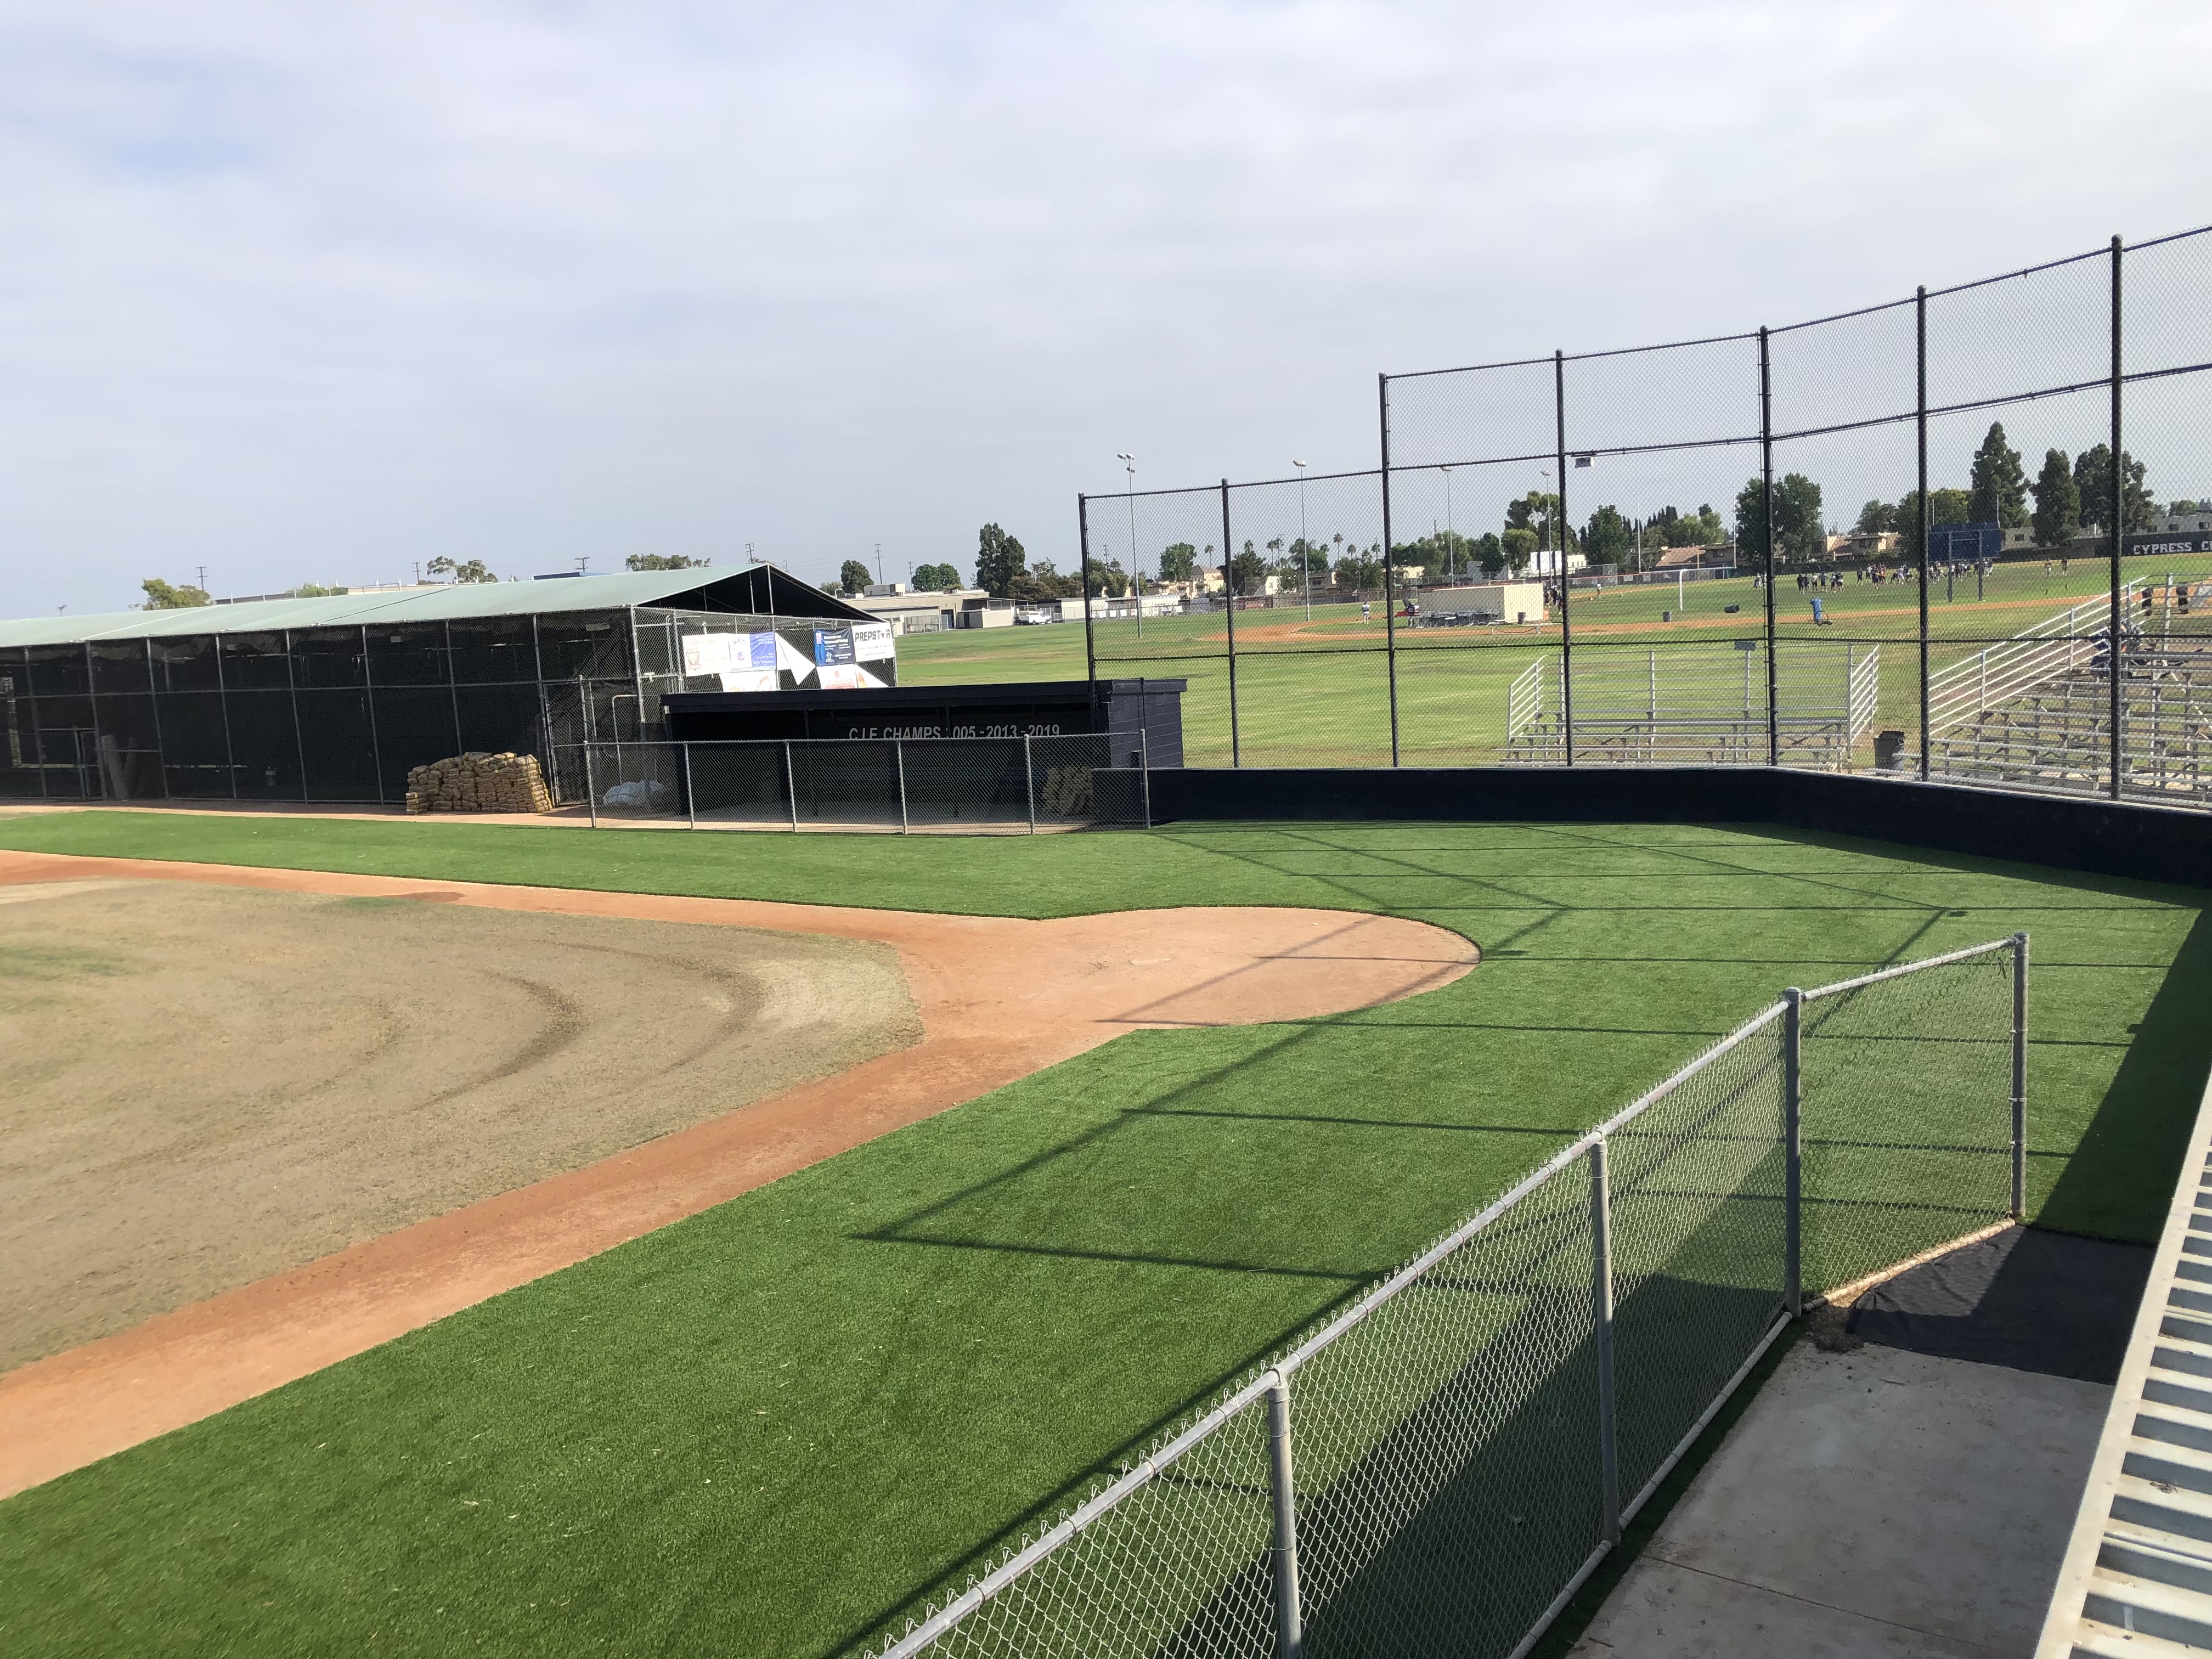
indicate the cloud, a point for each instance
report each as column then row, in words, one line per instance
column 320, row 293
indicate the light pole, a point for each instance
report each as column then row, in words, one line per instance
column 1136, row 582
column 1305, row 553
column 1451, row 541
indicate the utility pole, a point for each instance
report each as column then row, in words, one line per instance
column 879, row 561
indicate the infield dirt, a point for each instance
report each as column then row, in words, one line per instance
column 998, row 999
column 202, row 1086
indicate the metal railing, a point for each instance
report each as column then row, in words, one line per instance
column 1998, row 674
column 1441, row 1465
column 1700, row 705
column 1023, row 784
column 2134, row 1579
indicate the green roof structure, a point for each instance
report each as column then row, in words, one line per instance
column 755, row 589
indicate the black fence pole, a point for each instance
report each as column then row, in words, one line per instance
column 1229, row 594
column 1559, row 536
column 1089, row 641
column 1920, row 552
column 1766, row 504
column 2115, row 515
column 1389, row 625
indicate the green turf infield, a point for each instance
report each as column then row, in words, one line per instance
column 769, row 1428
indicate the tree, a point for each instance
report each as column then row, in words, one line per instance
column 1248, row 571
column 2000, row 488
column 160, row 596
column 937, row 578
column 2057, row 502
column 854, row 576
column 463, row 571
column 1108, row 580
column 665, row 561
column 998, row 559
column 1519, row 543
column 2092, row 477
column 1875, row 518
column 1669, row 527
column 1798, row 533
column 316, row 590
column 1490, row 554
column 1361, row 572
column 1944, row 507
column 1537, row 511
column 1178, row 561
column 1607, row 540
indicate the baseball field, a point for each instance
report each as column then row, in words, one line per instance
column 773, row 1425
column 1315, row 693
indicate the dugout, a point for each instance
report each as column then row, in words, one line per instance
column 334, row 699
column 1144, row 716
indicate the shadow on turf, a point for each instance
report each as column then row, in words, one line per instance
column 2144, row 1116
column 2144, row 1120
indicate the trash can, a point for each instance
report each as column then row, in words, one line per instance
column 1889, row 750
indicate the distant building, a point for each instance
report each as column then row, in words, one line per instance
column 1695, row 558
column 911, row 612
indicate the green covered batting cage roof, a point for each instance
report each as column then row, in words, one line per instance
column 757, row 589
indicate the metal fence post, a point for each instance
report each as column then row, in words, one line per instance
column 1090, row 639
column 899, row 760
column 690, row 800
column 2116, row 510
column 1229, row 596
column 791, row 785
column 1566, row 586
column 591, row 789
column 1766, row 497
column 1921, row 532
column 1608, row 1438
column 2019, row 1076
column 1793, row 1152
column 1389, row 570
column 1029, row 776
column 1289, row 1619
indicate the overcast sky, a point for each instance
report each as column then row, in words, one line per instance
column 316, row 293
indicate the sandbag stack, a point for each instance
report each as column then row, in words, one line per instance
column 479, row 782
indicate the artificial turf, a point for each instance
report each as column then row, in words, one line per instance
column 1315, row 690
column 769, row 1428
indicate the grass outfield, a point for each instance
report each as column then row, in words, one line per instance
column 767, row 1428
column 1317, row 694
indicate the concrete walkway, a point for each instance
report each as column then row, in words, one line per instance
column 1874, row 1503
column 1905, row 1483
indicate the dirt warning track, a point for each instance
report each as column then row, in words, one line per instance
column 999, row 998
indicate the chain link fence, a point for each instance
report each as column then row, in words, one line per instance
column 1436, row 1468
column 1560, row 557
column 1022, row 785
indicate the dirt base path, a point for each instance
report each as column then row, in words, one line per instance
column 999, row 999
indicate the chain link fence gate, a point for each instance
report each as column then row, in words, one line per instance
column 994, row 785
column 1438, row 1467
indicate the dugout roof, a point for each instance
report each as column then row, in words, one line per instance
column 757, row 589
